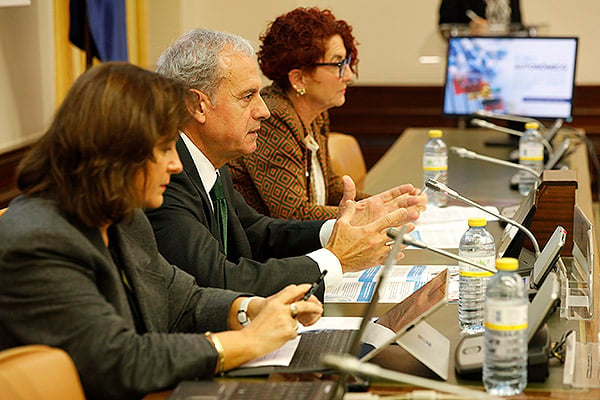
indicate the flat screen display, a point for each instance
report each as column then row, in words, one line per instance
column 526, row 76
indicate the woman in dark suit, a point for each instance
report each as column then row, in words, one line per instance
column 79, row 264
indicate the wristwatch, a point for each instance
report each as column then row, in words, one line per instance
column 242, row 314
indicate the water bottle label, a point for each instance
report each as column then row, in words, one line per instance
column 472, row 272
column 502, row 317
column 532, row 151
column 435, row 163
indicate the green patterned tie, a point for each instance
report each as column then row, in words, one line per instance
column 220, row 205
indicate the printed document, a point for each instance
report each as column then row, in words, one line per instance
column 402, row 281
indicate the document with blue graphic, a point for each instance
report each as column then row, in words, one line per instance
column 403, row 280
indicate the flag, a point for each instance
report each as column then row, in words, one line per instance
column 108, row 29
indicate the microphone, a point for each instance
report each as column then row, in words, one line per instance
column 554, row 129
column 549, row 132
column 408, row 240
column 351, row 365
column 440, row 187
column 464, row 153
column 370, row 310
column 505, row 117
column 488, row 125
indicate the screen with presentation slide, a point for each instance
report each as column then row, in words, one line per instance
column 525, row 76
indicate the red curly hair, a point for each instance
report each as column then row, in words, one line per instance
column 297, row 40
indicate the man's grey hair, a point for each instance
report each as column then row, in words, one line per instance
column 195, row 58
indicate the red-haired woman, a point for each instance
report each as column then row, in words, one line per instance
column 310, row 56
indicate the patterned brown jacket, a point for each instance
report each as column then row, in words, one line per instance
column 274, row 179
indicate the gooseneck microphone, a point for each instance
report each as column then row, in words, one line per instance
column 464, row 153
column 351, row 365
column 408, row 240
column 488, row 125
column 440, row 187
column 549, row 133
column 505, row 117
column 354, row 346
column 554, row 129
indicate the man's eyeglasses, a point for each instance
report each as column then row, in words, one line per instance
column 340, row 64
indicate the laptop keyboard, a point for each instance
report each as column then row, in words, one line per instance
column 314, row 344
column 281, row 390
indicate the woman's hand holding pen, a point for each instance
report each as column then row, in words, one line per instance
column 278, row 308
column 271, row 324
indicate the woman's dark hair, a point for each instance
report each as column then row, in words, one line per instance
column 297, row 40
column 102, row 135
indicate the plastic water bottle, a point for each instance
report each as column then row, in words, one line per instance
column 531, row 154
column 505, row 337
column 435, row 164
column 476, row 245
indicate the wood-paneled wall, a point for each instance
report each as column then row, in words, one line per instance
column 376, row 116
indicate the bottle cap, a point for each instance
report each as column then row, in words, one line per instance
column 477, row 221
column 435, row 133
column 507, row 264
column 531, row 125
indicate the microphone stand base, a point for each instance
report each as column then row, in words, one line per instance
column 468, row 358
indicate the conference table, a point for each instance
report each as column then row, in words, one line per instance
column 487, row 184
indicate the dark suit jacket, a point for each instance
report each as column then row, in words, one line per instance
column 185, row 230
column 59, row 286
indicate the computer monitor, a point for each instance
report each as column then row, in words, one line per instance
column 526, row 76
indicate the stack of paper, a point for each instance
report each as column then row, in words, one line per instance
column 443, row 227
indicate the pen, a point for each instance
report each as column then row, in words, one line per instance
column 315, row 286
column 472, row 16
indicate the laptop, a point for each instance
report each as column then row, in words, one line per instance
column 322, row 390
column 397, row 320
column 226, row 390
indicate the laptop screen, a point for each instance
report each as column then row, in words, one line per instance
column 417, row 305
column 526, row 76
column 406, row 314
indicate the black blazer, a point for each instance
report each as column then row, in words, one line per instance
column 59, row 286
column 264, row 254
